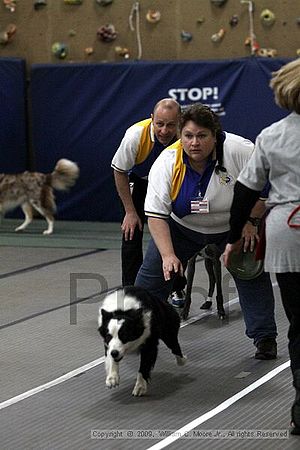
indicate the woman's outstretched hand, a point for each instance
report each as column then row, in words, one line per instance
column 171, row 266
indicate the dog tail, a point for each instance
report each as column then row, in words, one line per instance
column 64, row 175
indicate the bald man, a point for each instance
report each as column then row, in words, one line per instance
column 141, row 145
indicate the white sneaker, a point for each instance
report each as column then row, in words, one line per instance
column 178, row 299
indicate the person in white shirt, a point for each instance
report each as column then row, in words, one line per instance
column 277, row 158
column 141, row 145
column 188, row 201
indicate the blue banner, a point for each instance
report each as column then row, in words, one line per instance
column 13, row 138
column 81, row 111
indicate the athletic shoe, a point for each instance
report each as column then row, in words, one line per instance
column 178, row 299
column 266, row 349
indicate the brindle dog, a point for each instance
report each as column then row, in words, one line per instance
column 211, row 255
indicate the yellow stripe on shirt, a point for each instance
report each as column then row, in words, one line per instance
column 179, row 169
column 146, row 143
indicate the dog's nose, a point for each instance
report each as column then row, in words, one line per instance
column 114, row 354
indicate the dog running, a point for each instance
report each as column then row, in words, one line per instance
column 34, row 190
column 131, row 320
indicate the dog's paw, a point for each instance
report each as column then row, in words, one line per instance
column 20, row 228
column 181, row 361
column 140, row 387
column 112, row 380
column 47, row 232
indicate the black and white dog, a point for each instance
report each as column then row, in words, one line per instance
column 130, row 319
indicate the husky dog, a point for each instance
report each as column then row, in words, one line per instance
column 34, row 190
column 130, row 319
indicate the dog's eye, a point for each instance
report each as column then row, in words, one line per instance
column 107, row 338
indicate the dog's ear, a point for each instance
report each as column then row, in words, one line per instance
column 104, row 316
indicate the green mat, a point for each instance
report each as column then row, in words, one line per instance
column 67, row 234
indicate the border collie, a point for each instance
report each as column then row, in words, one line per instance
column 131, row 320
column 34, row 190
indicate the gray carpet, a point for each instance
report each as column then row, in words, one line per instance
column 43, row 338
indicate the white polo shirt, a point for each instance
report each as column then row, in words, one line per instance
column 219, row 192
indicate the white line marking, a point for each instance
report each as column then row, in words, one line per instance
column 221, row 407
column 91, row 365
column 50, row 384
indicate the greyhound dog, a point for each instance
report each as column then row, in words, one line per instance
column 211, row 255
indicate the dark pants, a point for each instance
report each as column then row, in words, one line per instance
column 256, row 296
column 289, row 285
column 132, row 251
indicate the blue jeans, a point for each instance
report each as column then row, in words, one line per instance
column 257, row 303
column 255, row 296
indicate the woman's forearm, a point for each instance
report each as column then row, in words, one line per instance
column 243, row 201
column 160, row 232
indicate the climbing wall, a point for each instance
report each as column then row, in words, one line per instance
column 42, row 31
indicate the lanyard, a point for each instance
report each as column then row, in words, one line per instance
column 296, row 223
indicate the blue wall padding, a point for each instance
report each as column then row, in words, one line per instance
column 81, row 111
column 13, row 142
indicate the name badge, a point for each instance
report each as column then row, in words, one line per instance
column 199, row 206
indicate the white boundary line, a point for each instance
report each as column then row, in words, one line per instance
column 50, row 384
column 221, row 407
column 91, row 365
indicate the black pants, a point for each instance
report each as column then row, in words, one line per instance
column 132, row 251
column 289, row 285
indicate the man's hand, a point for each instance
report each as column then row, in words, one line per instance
column 131, row 220
column 250, row 237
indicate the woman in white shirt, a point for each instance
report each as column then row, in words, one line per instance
column 188, row 200
column 277, row 158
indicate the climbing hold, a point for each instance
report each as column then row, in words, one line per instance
column 89, row 51
column 72, row 33
column 153, row 16
column 39, row 4
column 200, row 20
column 104, row 2
column 267, row 18
column 60, row 50
column 10, row 4
column 107, row 33
column 122, row 51
column 217, row 37
column 267, row 52
column 255, row 44
column 7, row 34
column 186, row 36
column 73, row 2
column 218, row 2
column 3, row 38
column 234, row 20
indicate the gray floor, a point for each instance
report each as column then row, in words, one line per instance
column 52, row 373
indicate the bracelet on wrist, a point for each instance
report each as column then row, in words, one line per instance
column 255, row 221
